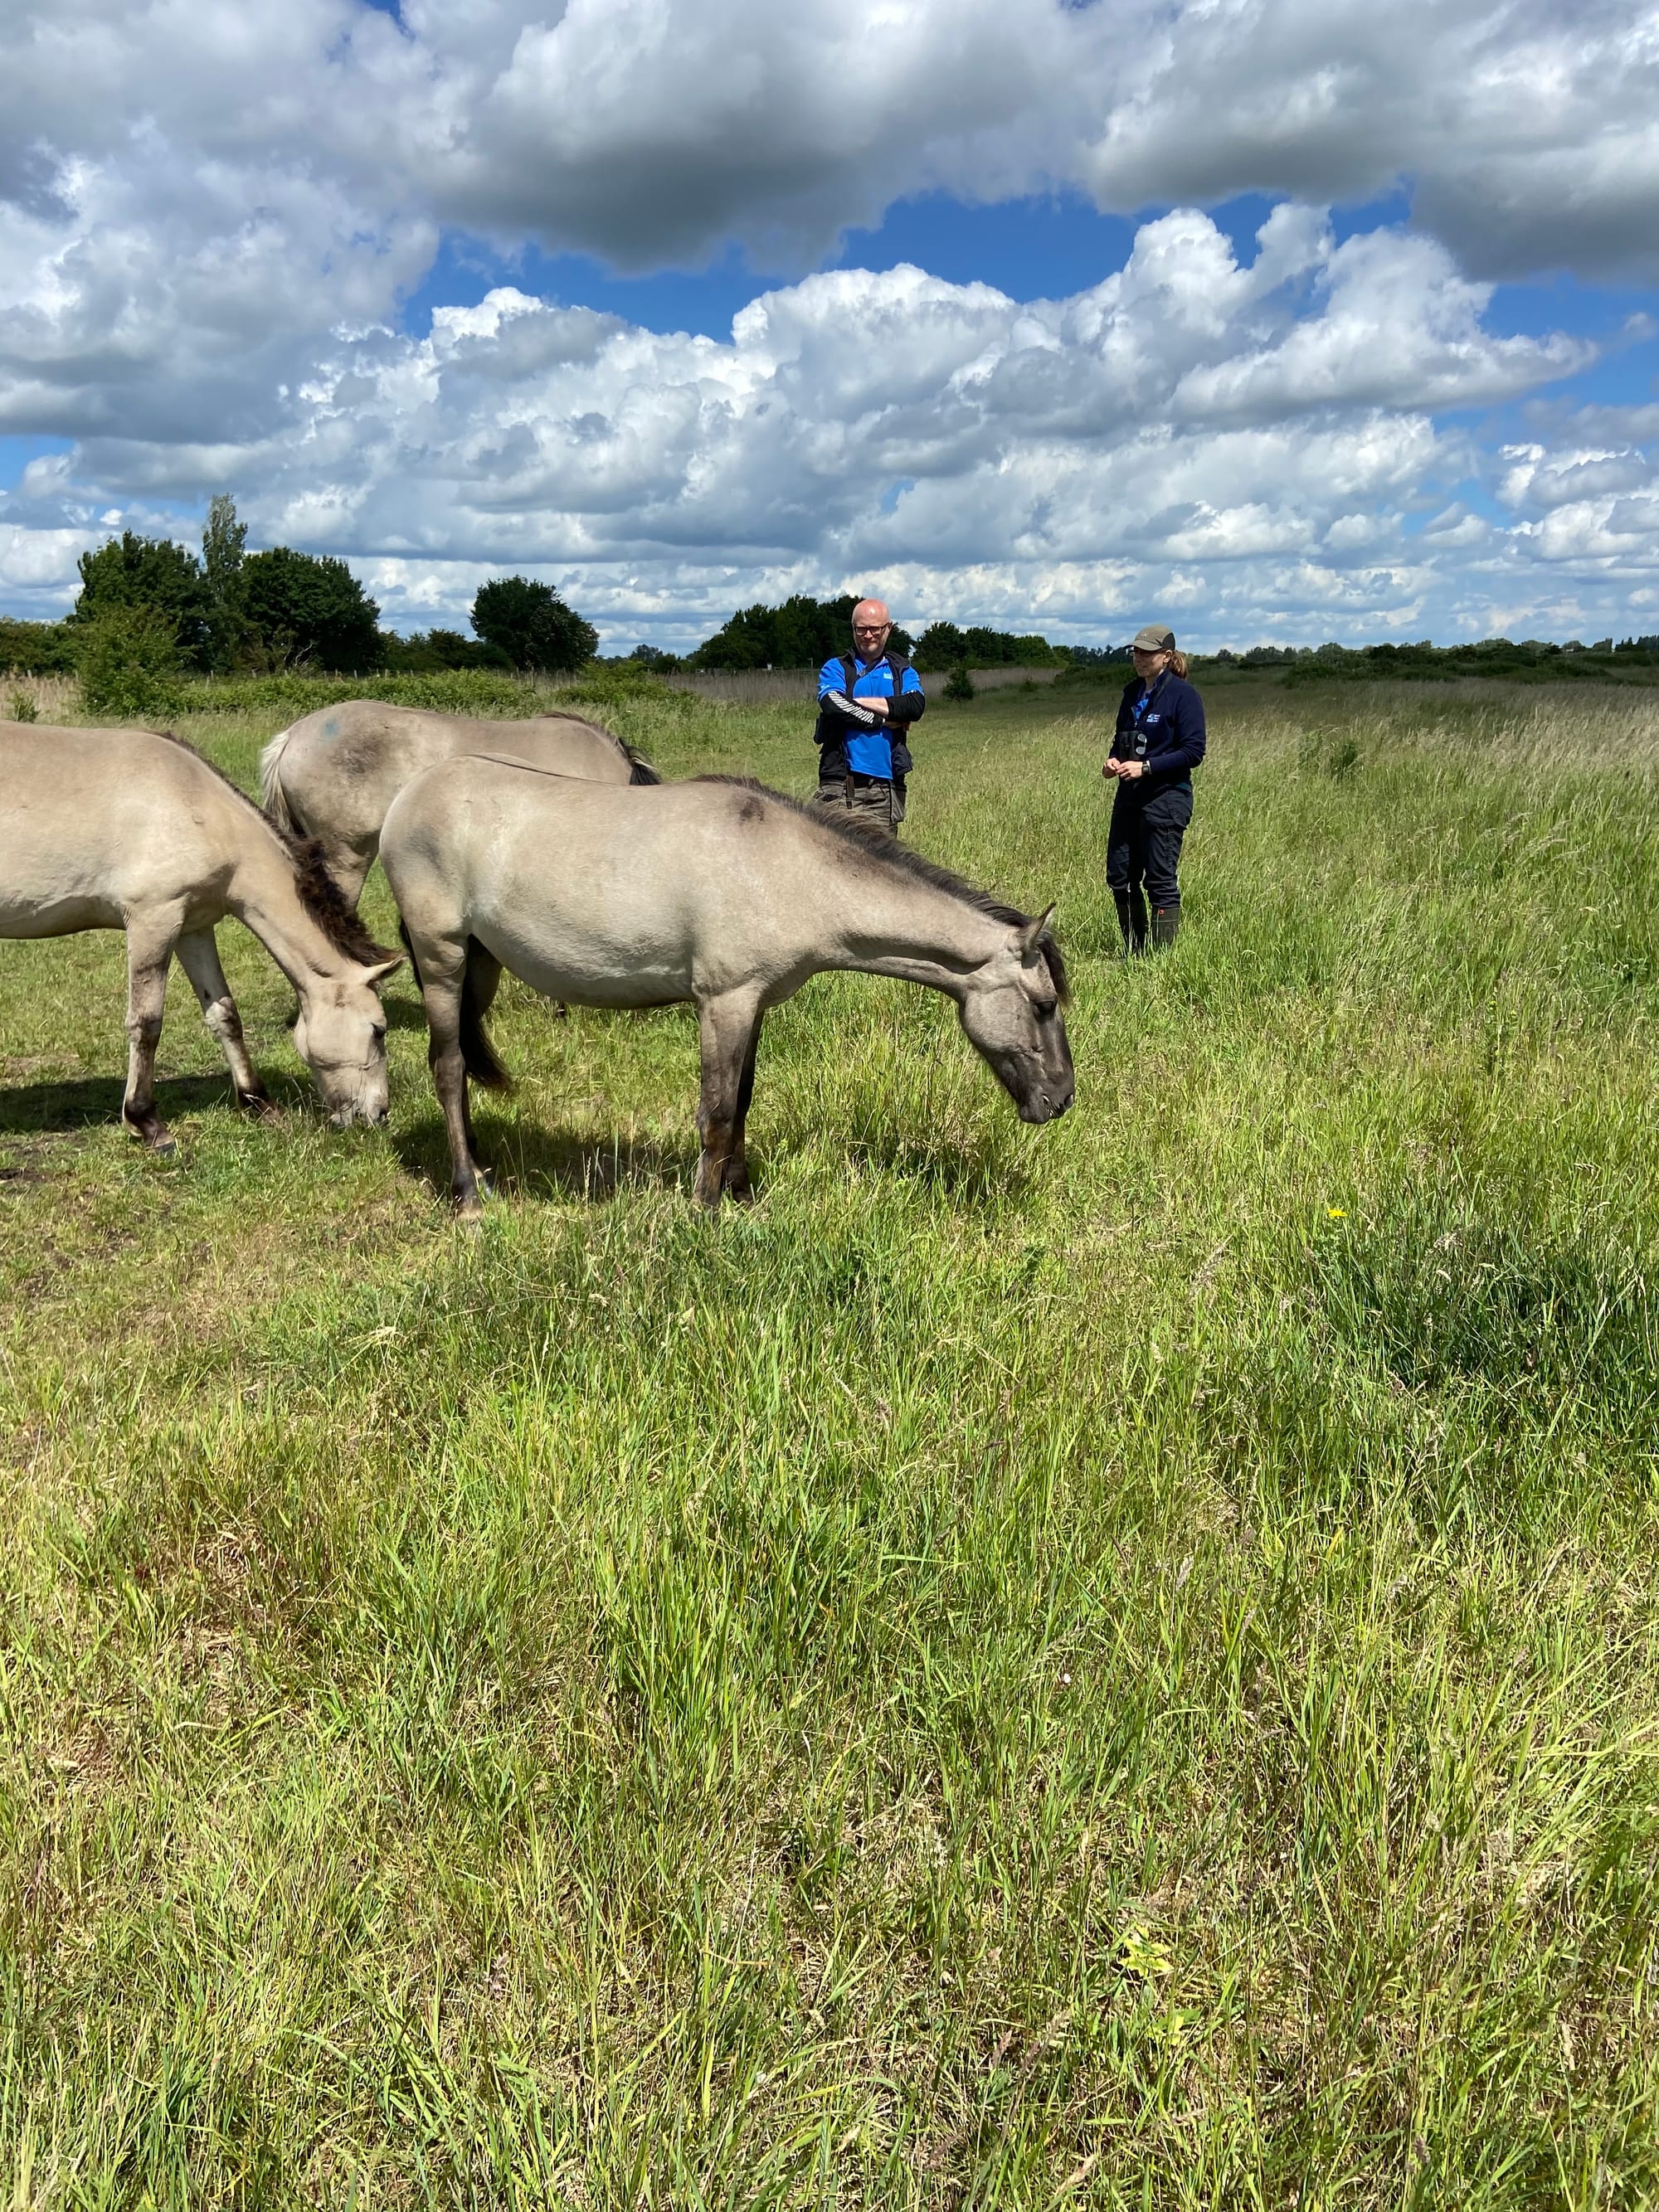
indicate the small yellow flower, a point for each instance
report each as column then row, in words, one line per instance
column 1337, row 1212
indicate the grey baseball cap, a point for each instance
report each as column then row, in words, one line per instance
column 1153, row 639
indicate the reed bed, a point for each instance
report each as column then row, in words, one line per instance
column 1106, row 1667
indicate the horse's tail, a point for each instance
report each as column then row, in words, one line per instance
column 272, row 797
column 477, row 1051
column 640, row 769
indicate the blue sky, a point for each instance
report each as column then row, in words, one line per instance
column 1322, row 324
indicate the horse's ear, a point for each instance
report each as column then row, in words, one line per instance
column 378, row 974
column 1031, row 936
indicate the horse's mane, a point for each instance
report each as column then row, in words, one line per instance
column 873, row 843
column 317, row 890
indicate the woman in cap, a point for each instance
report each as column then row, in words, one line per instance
column 1158, row 742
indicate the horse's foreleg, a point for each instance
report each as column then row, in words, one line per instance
column 199, row 956
column 441, row 983
column 150, row 948
column 728, row 1028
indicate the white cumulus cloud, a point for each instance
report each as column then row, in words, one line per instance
column 1245, row 439
column 210, row 213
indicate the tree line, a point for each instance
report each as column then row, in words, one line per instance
column 150, row 613
column 805, row 632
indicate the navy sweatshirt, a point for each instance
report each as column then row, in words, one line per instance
column 1168, row 734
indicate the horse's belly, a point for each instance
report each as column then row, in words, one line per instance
column 589, row 973
column 23, row 914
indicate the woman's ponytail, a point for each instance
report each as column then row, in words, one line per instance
column 1178, row 663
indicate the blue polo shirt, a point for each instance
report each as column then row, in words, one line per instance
column 869, row 752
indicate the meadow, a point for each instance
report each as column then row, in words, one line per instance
column 1108, row 1666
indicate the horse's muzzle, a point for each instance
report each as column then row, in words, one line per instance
column 371, row 1117
column 1043, row 1107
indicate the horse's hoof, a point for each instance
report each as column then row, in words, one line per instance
column 259, row 1105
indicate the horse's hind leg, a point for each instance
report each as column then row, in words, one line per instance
column 737, row 1184
column 484, row 980
column 199, row 956
column 349, row 865
column 728, row 1032
column 150, row 948
column 443, row 980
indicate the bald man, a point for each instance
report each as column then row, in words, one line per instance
column 867, row 699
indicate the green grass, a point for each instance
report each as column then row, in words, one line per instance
column 1110, row 1666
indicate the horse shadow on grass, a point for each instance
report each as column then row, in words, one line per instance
column 404, row 1013
column 527, row 1161
column 37, row 1110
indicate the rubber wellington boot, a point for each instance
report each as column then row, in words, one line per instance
column 1166, row 920
column 1132, row 921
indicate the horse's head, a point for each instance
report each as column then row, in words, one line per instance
column 340, row 1034
column 1009, row 1007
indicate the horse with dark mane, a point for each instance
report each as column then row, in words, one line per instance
column 333, row 774
column 129, row 829
column 717, row 892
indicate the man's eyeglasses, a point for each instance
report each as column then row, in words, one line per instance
column 871, row 629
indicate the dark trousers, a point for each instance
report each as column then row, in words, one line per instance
column 1143, row 852
column 872, row 798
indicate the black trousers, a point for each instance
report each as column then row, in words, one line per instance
column 1143, row 849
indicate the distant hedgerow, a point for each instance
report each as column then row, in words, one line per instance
column 449, row 691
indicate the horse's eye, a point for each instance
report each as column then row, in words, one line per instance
column 1043, row 1007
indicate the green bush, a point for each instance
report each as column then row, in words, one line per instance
column 530, row 624
column 1094, row 676
column 36, row 648
column 942, row 644
column 309, row 609
column 152, row 576
column 425, row 651
column 129, row 664
column 803, row 633
column 961, row 685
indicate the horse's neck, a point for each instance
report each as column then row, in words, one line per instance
column 901, row 925
column 264, row 896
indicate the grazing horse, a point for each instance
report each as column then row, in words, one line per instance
column 333, row 774
column 127, row 830
column 715, row 890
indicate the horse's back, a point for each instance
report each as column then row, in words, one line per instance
column 100, row 822
column 622, row 895
column 334, row 773
column 369, row 738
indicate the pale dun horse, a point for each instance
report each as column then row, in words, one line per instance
column 333, row 774
column 127, row 830
column 715, row 891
